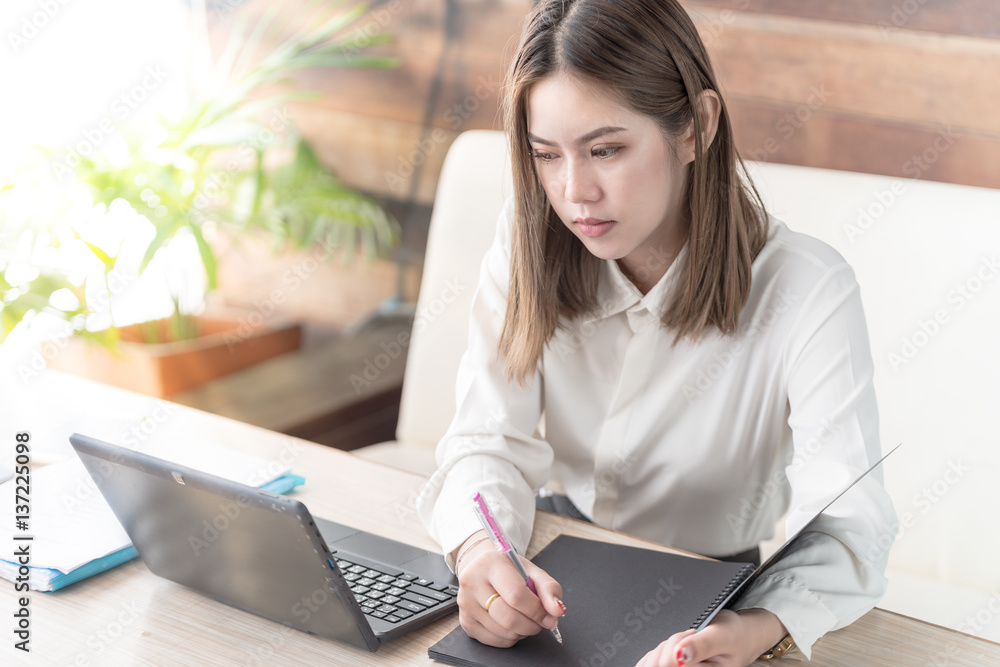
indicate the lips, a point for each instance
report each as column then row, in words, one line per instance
column 594, row 227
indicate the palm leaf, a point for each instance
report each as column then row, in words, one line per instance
column 207, row 256
column 109, row 262
column 227, row 59
column 299, row 204
column 163, row 232
column 249, row 48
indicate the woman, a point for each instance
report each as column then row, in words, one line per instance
column 701, row 368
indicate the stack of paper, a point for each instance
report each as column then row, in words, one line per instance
column 75, row 533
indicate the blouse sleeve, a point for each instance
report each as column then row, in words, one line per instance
column 835, row 573
column 491, row 445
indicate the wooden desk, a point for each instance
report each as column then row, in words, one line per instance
column 128, row 616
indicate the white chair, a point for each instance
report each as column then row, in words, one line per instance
column 926, row 256
column 475, row 181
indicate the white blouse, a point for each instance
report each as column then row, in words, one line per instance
column 701, row 446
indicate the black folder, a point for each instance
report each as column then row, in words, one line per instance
column 621, row 602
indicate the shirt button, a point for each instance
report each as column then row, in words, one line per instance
column 640, row 319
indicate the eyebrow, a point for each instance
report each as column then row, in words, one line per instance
column 599, row 132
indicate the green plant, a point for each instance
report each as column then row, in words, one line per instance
column 220, row 167
column 33, row 275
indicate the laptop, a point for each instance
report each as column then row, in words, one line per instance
column 265, row 553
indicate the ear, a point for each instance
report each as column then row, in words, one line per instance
column 709, row 108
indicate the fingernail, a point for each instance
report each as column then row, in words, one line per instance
column 561, row 606
column 683, row 656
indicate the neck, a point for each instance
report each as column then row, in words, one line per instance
column 646, row 266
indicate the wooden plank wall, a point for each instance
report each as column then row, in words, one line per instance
column 907, row 88
column 387, row 131
column 898, row 87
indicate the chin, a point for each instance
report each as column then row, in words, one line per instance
column 602, row 250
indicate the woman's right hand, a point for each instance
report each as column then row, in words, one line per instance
column 517, row 613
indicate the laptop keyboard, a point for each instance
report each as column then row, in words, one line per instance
column 392, row 595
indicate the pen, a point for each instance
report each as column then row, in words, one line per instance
column 500, row 541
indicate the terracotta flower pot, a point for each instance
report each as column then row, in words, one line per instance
column 164, row 369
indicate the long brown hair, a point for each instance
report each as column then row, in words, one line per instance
column 649, row 54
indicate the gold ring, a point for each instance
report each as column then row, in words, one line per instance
column 490, row 601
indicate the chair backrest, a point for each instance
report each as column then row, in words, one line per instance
column 925, row 255
column 475, row 181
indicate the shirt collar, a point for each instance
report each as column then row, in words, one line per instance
column 616, row 293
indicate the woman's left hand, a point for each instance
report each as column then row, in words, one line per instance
column 730, row 640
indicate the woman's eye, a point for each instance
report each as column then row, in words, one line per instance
column 544, row 157
column 605, row 153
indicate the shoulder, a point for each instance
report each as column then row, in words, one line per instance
column 803, row 285
column 505, row 223
column 798, row 262
column 504, row 231
column 496, row 262
column 788, row 249
column 807, row 286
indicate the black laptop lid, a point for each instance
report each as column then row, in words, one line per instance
column 246, row 547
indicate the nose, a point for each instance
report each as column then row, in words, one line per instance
column 581, row 183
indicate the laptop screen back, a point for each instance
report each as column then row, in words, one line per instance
column 248, row 548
